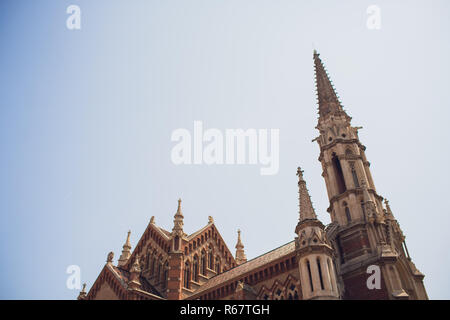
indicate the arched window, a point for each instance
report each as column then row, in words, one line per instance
column 338, row 174
column 153, row 264
column 158, row 275
column 187, row 274
column 330, row 270
column 308, row 266
column 147, row 261
column 166, row 274
column 347, row 214
column 204, row 262
column 195, row 268
column 292, row 292
column 363, row 209
column 176, row 244
column 320, row 274
column 217, row 267
column 278, row 294
column 355, row 176
column 210, row 258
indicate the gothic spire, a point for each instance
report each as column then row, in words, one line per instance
column 306, row 208
column 126, row 252
column 178, row 220
column 240, row 254
column 326, row 95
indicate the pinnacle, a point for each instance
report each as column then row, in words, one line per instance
column 306, row 207
column 327, row 98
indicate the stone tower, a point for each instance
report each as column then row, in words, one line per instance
column 365, row 235
column 314, row 252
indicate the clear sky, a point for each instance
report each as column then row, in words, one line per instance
column 86, row 118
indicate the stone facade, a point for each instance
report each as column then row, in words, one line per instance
column 322, row 262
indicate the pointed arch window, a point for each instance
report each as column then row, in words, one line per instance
column 158, row 275
column 363, row 210
column 204, row 262
column 354, row 175
column 210, row 258
column 217, row 266
column 176, row 244
column 147, row 261
column 347, row 214
column 320, row 274
column 153, row 264
column 187, row 275
column 166, row 274
column 308, row 266
column 292, row 292
column 340, row 181
column 195, row 268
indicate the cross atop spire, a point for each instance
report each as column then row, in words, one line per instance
column 306, row 208
column 326, row 95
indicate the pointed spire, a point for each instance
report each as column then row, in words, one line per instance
column 239, row 244
column 327, row 97
column 126, row 251
column 178, row 220
column 179, row 213
column 306, row 207
column 240, row 253
column 82, row 295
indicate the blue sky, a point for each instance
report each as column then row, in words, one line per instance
column 86, row 118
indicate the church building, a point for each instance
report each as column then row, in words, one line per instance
column 334, row 261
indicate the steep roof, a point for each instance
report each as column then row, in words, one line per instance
column 246, row 267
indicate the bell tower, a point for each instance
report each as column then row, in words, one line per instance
column 362, row 230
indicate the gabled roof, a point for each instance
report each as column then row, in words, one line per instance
column 246, row 267
column 196, row 233
column 122, row 276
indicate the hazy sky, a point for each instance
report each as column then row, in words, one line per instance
column 86, row 118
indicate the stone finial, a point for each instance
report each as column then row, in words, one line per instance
column 135, row 271
column 240, row 253
column 126, row 251
column 136, row 267
column 110, row 257
column 239, row 242
column 210, row 219
column 306, row 207
column 82, row 294
column 389, row 213
column 152, row 220
column 388, row 207
column 178, row 221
